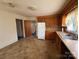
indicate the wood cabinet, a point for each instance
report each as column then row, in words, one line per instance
column 49, row 20
column 63, row 50
column 50, row 36
column 59, row 21
column 58, row 43
column 71, row 5
column 66, row 54
column 51, row 23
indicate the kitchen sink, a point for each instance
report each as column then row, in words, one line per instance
column 69, row 36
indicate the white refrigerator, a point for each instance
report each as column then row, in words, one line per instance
column 41, row 30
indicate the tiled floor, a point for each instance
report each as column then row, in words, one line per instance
column 31, row 48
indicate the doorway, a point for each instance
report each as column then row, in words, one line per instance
column 19, row 26
column 30, row 28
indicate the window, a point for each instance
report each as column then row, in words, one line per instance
column 72, row 21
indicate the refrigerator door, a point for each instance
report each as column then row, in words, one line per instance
column 41, row 30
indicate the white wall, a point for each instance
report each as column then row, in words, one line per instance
column 8, row 34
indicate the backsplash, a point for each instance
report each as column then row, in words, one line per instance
column 54, row 28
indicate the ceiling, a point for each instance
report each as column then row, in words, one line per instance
column 33, row 7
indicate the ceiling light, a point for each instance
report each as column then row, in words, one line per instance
column 11, row 5
column 33, row 8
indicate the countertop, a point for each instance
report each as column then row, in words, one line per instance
column 72, row 45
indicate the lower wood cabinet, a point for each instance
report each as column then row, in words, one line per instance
column 58, row 43
column 63, row 50
column 66, row 54
column 50, row 36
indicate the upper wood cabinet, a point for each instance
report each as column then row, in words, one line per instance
column 72, row 4
column 49, row 20
column 64, row 20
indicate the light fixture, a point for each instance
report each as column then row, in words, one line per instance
column 11, row 4
column 33, row 8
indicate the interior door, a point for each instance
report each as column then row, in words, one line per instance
column 28, row 28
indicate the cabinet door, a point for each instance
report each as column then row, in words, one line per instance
column 66, row 54
column 49, row 35
column 58, row 43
